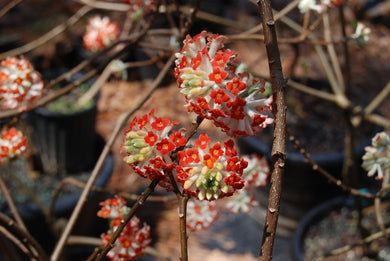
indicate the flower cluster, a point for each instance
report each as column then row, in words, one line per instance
column 201, row 214
column 362, row 34
column 140, row 7
column 377, row 156
column 216, row 91
column 20, row 84
column 100, row 33
column 147, row 143
column 255, row 175
column 12, row 144
column 306, row 5
column 133, row 240
column 210, row 172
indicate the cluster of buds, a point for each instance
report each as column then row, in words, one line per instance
column 210, row 172
column 147, row 143
column 20, row 84
column 12, row 144
column 140, row 7
column 306, row 5
column 362, row 34
column 255, row 175
column 216, row 91
column 100, row 33
column 201, row 214
column 133, row 240
column 377, row 156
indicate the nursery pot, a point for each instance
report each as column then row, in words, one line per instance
column 302, row 187
column 64, row 141
column 333, row 224
column 86, row 224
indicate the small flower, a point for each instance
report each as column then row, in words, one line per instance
column 362, row 34
column 118, row 68
column 12, row 144
column 133, row 239
column 306, row 5
column 210, row 172
column 377, row 156
column 147, row 143
column 113, row 207
column 200, row 214
column 241, row 202
column 20, row 84
column 100, row 33
column 215, row 91
column 257, row 171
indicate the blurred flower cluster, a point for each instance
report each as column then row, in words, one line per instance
column 12, row 144
column 376, row 160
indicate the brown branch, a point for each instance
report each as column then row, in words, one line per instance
column 279, row 145
column 33, row 247
column 9, row 6
column 48, row 36
column 326, row 174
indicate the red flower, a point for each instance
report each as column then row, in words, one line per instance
column 151, row 138
column 216, row 151
column 235, row 86
column 193, row 156
column 208, row 161
column 177, row 138
column 221, row 58
column 219, row 96
column 203, row 141
column 165, row 146
column 217, row 75
column 229, row 148
column 159, row 124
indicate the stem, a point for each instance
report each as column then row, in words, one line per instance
column 279, row 145
column 183, row 226
column 48, row 36
column 11, row 204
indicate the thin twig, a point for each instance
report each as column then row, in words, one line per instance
column 24, row 237
column 11, row 203
column 9, row 6
column 48, row 36
column 326, row 174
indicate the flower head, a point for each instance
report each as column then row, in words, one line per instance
column 200, row 214
column 100, row 33
column 12, row 144
column 214, row 90
column 20, row 84
column 210, row 172
column 362, row 34
column 147, row 143
column 377, row 156
column 133, row 240
column 140, row 7
column 241, row 202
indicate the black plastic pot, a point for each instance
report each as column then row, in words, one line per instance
column 302, row 187
column 64, row 142
column 86, row 224
column 312, row 218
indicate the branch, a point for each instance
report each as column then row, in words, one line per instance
column 279, row 145
column 48, row 36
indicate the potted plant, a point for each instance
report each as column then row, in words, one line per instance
column 347, row 227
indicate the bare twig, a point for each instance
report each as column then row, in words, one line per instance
column 9, row 6
column 33, row 247
column 11, row 203
column 48, row 36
